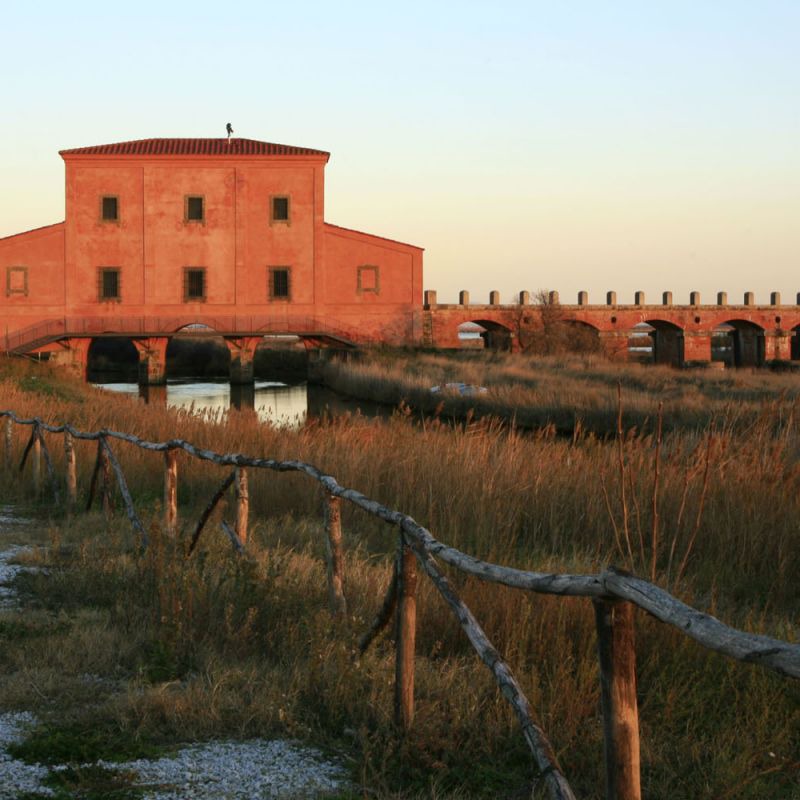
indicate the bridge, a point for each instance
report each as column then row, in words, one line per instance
column 694, row 334
column 67, row 340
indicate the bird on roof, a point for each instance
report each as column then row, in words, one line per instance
column 229, row 128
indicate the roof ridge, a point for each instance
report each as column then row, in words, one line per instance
column 216, row 146
column 32, row 230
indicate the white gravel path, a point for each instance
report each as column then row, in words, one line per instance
column 16, row 776
column 252, row 770
column 239, row 771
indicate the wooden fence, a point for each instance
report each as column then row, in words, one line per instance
column 613, row 592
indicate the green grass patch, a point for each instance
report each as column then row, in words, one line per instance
column 82, row 743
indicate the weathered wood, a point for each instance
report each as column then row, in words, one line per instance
column 209, row 510
column 242, row 505
column 709, row 631
column 36, row 461
column 171, row 490
column 384, row 613
column 335, row 558
column 535, row 738
column 98, row 463
column 617, row 652
column 406, row 636
column 9, row 442
column 111, row 460
column 231, row 534
column 105, row 475
column 72, row 473
column 51, row 473
column 763, row 650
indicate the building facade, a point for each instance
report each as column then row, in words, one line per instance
column 231, row 233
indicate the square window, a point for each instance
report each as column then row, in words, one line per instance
column 279, row 283
column 109, row 284
column 279, row 209
column 194, row 284
column 194, row 208
column 16, row 281
column 368, row 280
column 109, row 208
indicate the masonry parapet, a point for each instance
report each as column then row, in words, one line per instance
column 524, row 298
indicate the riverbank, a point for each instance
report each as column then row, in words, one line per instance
column 570, row 395
column 213, row 646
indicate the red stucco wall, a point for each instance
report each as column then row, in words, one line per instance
column 41, row 251
column 237, row 243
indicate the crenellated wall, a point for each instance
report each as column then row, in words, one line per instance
column 682, row 333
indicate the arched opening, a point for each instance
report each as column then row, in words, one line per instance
column 282, row 359
column 112, row 359
column 667, row 342
column 575, row 336
column 795, row 334
column 196, row 351
column 546, row 334
column 738, row 343
column 493, row 335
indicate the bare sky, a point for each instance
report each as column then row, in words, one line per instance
column 581, row 145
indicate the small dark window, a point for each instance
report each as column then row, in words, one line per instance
column 280, row 209
column 109, row 284
column 109, row 208
column 16, row 281
column 194, row 284
column 279, row 282
column 195, row 208
column 369, row 280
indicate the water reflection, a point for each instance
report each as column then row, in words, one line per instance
column 273, row 402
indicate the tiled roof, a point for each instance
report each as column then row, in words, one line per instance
column 193, row 147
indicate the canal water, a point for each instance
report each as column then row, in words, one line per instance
column 274, row 402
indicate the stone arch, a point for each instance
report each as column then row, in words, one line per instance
column 112, row 359
column 667, row 338
column 281, row 357
column 578, row 336
column 493, row 335
column 197, row 351
column 740, row 343
column 795, row 345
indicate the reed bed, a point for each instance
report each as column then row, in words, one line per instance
column 571, row 393
column 213, row 646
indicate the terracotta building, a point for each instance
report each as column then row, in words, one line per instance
column 231, row 233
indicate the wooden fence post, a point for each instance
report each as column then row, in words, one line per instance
column 105, row 467
column 72, row 476
column 616, row 648
column 333, row 542
column 406, row 635
column 9, row 441
column 242, row 504
column 171, row 490
column 36, row 463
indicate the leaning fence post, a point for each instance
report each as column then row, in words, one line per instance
column 36, row 461
column 105, row 467
column 9, row 439
column 616, row 648
column 72, row 477
column 406, row 635
column 333, row 542
column 171, row 490
column 242, row 504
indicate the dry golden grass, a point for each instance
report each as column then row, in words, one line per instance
column 212, row 646
column 567, row 392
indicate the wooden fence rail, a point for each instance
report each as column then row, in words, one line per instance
column 615, row 593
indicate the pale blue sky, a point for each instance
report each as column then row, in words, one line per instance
column 581, row 145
